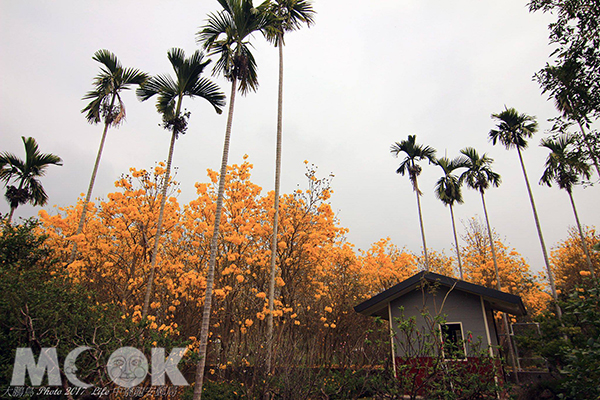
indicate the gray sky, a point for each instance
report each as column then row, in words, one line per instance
column 366, row 75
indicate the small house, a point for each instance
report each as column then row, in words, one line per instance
column 430, row 314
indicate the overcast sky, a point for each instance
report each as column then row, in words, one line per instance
column 366, row 75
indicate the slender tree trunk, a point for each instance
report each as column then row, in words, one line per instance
column 539, row 229
column 213, row 252
column 587, row 142
column 513, row 358
column 422, row 227
column 10, row 215
column 91, row 185
column 276, row 207
column 161, row 213
column 460, row 270
column 492, row 247
column 582, row 236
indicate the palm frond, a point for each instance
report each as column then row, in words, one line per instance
column 563, row 166
column 106, row 104
column 226, row 34
column 210, row 91
column 26, row 173
column 513, row 129
column 109, row 60
column 187, row 82
column 479, row 174
column 283, row 16
column 448, row 187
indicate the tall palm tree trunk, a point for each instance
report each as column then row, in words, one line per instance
column 161, row 213
column 276, row 207
column 539, row 229
column 492, row 247
column 422, row 227
column 460, row 271
column 511, row 350
column 581, row 235
column 210, row 276
column 91, row 185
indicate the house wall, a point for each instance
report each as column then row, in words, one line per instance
column 458, row 306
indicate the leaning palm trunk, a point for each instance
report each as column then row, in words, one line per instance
column 460, row 271
column 210, row 276
column 161, row 213
column 539, row 229
column 10, row 215
column 418, row 193
column 581, row 235
column 276, row 207
column 91, row 185
column 511, row 350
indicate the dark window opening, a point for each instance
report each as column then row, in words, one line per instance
column 452, row 341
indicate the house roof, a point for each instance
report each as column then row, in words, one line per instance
column 497, row 300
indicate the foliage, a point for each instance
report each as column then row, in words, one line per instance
column 413, row 152
column 106, row 103
column 448, row 187
column 41, row 307
column 188, row 83
column 310, row 307
column 572, row 346
column 576, row 34
column 513, row 128
column 320, row 279
column 25, row 174
column 226, row 34
column 285, row 16
column 515, row 275
column 568, row 259
column 582, row 355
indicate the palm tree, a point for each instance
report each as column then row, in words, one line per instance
column 226, row 34
column 26, row 174
column 479, row 176
column 170, row 92
column 513, row 130
column 564, row 167
column 414, row 152
column 106, row 106
column 284, row 16
column 448, row 190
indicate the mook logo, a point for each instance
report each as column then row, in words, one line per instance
column 127, row 367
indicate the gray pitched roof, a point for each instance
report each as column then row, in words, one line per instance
column 498, row 300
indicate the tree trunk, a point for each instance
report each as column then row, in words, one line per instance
column 539, row 229
column 10, row 215
column 213, row 252
column 161, row 213
column 274, row 243
column 583, row 242
column 587, row 142
column 91, row 185
column 511, row 350
column 422, row 228
column 460, row 271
